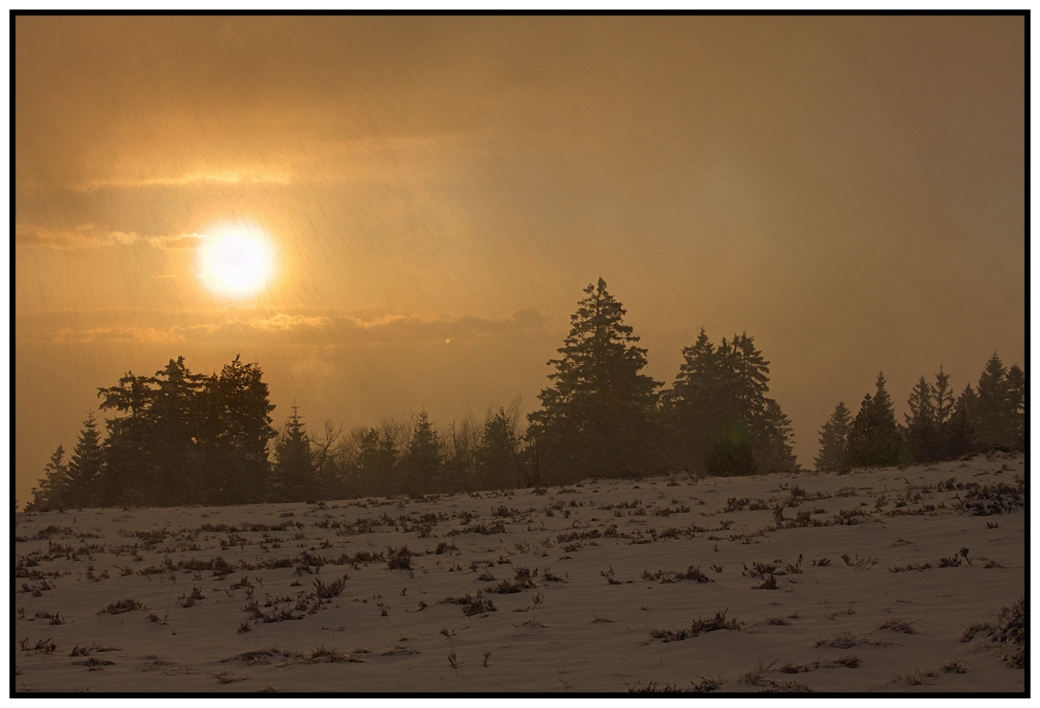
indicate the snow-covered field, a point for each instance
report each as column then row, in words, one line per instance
column 609, row 585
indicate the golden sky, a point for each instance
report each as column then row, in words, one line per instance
column 850, row 191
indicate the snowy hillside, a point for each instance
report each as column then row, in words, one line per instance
column 868, row 581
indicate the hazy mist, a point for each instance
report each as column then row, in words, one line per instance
column 849, row 191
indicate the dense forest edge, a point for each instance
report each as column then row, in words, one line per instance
column 178, row 438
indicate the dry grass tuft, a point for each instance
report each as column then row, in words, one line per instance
column 698, row 627
column 705, row 685
column 769, row 583
column 954, row 666
column 900, row 625
column 118, row 608
column 917, row 678
column 470, row 605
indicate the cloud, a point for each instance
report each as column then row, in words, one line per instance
column 85, row 236
column 231, row 177
column 317, row 330
column 118, row 333
column 283, row 322
column 185, row 241
column 94, row 236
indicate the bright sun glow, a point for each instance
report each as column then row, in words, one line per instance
column 236, row 261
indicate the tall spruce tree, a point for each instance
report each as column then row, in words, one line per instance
column 959, row 434
column 718, row 416
column 54, row 487
column 944, row 399
column 86, row 466
column 992, row 425
column 922, row 423
column 771, row 439
column 834, row 441
column 295, row 479
column 496, row 455
column 423, row 460
column 232, row 433
column 874, row 439
column 691, row 406
column 597, row 415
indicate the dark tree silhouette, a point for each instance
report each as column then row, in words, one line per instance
column 874, row 439
column 496, row 455
column 186, row 438
column 421, row 463
column 597, row 414
column 233, row 435
column 922, row 423
column 834, row 441
column 991, row 423
column 959, row 434
column 771, row 439
column 53, row 490
column 294, row 475
column 86, row 466
column 944, row 399
column 717, row 407
column 999, row 414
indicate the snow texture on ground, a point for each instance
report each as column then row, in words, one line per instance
column 863, row 582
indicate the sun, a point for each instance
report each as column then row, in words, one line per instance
column 236, row 261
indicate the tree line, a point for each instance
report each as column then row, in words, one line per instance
column 938, row 427
column 181, row 438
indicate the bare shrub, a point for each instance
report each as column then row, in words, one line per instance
column 705, row 685
column 399, row 558
column 118, row 608
column 1008, row 633
column 470, row 605
column 917, row 678
column 668, row 576
column 899, row 625
column 43, row 646
column 698, row 627
column 997, row 498
column 768, row 583
column 331, row 590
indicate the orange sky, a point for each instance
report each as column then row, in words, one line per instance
column 848, row 190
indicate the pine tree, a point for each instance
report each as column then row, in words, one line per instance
column 717, row 405
column 834, row 436
column 130, row 449
column 597, row 413
column 943, row 397
column 173, row 419
column 959, row 434
column 295, row 480
column 184, row 438
column 691, row 405
column 992, row 424
column 232, row 432
column 423, row 459
column 86, row 465
column 874, row 439
column 496, row 455
column 923, row 431
column 53, row 490
column 377, row 454
column 771, row 440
